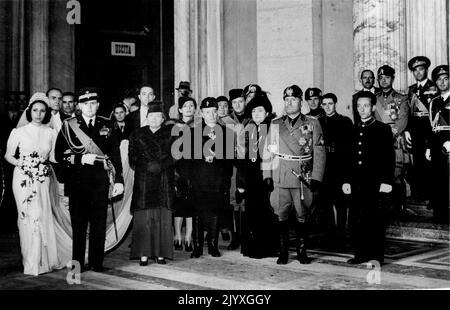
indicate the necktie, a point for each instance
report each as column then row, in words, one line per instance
column 90, row 127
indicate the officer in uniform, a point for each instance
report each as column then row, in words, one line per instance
column 210, row 176
column 420, row 95
column 293, row 167
column 237, row 117
column 439, row 146
column 392, row 108
column 372, row 172
column 337, row 132
column 86, row 144
column 313, row 97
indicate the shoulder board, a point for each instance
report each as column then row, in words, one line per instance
column 311, row 117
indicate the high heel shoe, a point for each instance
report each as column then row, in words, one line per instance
column 188, row 246
column 178, row 245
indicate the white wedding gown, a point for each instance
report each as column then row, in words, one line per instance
column 35, row 220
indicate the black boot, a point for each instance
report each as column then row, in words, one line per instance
column 213, row 242
column 301, row 234
column 197, row 237
column 284, row 243
column 236, row 235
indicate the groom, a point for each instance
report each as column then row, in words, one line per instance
column 86, row 144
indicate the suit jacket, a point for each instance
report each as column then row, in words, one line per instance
column 373, row 156
column 356, row 117
column 68, row 155
column 304, row 138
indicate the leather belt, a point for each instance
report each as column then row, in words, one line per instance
column 293, row 157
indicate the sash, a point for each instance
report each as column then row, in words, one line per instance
column 415, row 101
column 88, row 144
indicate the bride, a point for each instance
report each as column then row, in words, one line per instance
column 29, row 149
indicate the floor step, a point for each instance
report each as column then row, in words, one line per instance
column 418, row 231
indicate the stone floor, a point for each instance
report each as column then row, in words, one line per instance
column 409, row 265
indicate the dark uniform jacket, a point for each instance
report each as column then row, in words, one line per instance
column 132, row 122
column 373, row 156
column 338, row 137
column 68, row 155
column 150, row 155
column 424, row 94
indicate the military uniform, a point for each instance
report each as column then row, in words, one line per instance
column 420, row 95
column 393, row 109
column 440, row 155
column 89, row 185
column 294, row 148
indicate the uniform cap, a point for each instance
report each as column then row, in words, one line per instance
column 313, row 92
column 417, row 61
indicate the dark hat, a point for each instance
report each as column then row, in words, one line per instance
column 222, row 98
column 418, row 61
column 258, row 101
column 251, row 88
column 293, row 91
column 312, row 92
column 87, row 94
column 236, row 93
column 155, row 106
column 182, row 100
column 209, row 102
column 386, row 70
column 438, row 71
column 184, row 85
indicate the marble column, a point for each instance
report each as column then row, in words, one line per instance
column 39, row 49
column 4, row 43
column 61, row 51
column 427, row 31
column 181, row 41
column 379, row 38
column 17, row 35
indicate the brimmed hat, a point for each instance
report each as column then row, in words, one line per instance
column 236, row 93
column 418, row 61
column 184, row 85
column 183, row 100
column 87, row 94
column 438, row 71
column 155, row 106
column 258, row 101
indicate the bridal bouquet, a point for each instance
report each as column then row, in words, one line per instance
column 36, row 169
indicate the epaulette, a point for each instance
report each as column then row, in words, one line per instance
column 312, row 117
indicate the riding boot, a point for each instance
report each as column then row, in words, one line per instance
column 197, row 237
column 301, row 234
column 236, row 235
column 284, row 243
column 213, row 242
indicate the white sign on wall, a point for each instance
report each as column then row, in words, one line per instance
column 123, row 49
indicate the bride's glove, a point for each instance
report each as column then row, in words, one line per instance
column 117, row 190
column 88, row 159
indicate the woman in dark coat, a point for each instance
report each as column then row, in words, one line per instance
column 153, row 192
column 259, row 236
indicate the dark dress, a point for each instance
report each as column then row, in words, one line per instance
column 183, row 206
column 153, row 192
column 259, row 228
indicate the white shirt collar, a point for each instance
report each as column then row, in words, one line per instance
column 422, row 83
column 86, row 120
column 372, row 90
column 445, row 96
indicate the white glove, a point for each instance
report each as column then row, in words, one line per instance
column 408, row 138
column 428, row 154
column 346, row 188
column 117, row 190
column 88, row 159
column 447, row 146
column 241, row 190
column 385, row 188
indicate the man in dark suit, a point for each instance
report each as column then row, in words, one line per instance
column 337, row 131
column 367, row 79
column 420, row 95
column 86, row 144
column 137, row 119
column 372, row 175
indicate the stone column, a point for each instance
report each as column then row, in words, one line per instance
column 427, row 31
column 17, row 46
column 39, row 39
column 61, row 50
column 181, row 41
column 379, row 38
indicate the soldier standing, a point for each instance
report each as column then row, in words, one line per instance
column 293, row 167
column 392, row 108
column 439, row 146
column 337, row 133
column 86, row 144
column 372, row 172
column 420, row 95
